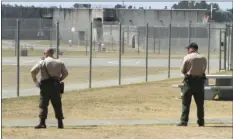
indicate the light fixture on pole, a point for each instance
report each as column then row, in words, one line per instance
column 211, row 10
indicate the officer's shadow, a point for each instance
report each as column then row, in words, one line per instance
column 219, row 126
column 91, row 127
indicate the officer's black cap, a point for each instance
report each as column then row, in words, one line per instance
column 192, row 45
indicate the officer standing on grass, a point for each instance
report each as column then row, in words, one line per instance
column 193, row 67
column 53, row 71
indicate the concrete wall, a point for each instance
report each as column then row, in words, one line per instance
column 80, row 19
column 141, row 17
column 158, row 36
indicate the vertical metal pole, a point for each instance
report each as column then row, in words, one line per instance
column 220, row 51
column 112, row 43
column 138, row 44
column 94, row 44
column 228, row 47
column 110, row 29
column 18, row 55
column 159, row 36
column 90, row 64
column 123, row 41
column 15, row 40
column 57, row 38
column 128, row 35
column 169, row 51
column 87, row 42
column 189, row 32
column 225, row 50
column 208, row 59
column 154, row 44
column 146, row 52
column 159, row 46
column 50, row 37
column 120, row 56
column 231, row 63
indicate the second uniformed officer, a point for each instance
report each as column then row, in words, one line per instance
column 53, row 71
column 193, row 67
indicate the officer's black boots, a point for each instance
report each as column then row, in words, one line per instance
column 185, row 124
column 41, row 124
column 201, row 124
column 182, row 124
column 60, row 123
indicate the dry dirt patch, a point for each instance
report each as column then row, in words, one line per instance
column 153, row 100
column 123, row 132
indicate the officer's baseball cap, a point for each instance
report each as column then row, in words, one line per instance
column 192, row 45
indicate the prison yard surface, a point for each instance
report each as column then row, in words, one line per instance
column 105, row 72
column 111, row 112
column 78, row 74
column 36, row 48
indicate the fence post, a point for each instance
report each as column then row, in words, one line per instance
column 128, row 36
column 112, row 43
column 146, row 52
column 18, row 55
column 208, row 60
column 189, row 32
column 87, row 42
column 51, row 38
column 231, row 63
column 138, row 43
column 94, row 44
column 154, row 44
column 123, row 41
column 225, row 49
column 220, row 50
column 90, row 66
column 169, row 51
column 228, row 47
column 57, row 39
column 159, row 36
column 120, row 55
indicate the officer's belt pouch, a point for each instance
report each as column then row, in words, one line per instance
column 62, row 86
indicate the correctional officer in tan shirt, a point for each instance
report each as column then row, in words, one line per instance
column 49, row 87
column 193, row 67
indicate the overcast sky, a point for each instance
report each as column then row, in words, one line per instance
column 154, row 5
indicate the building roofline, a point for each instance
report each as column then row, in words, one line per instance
column 161, row 9
column 117, row 9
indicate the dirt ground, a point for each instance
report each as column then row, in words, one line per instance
column 153, row 100
column 123, row 132
column 79, row 74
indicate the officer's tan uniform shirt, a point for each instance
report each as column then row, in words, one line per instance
column 55, row 67
column 194, row 64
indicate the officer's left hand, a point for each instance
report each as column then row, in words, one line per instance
column 37, row 84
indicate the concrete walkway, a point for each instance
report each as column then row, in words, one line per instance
column 50, row 123
column 9, row 93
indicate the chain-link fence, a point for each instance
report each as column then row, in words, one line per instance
column 109, row 54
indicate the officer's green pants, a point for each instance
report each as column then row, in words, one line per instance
column 195, row 88
column 51, row 92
